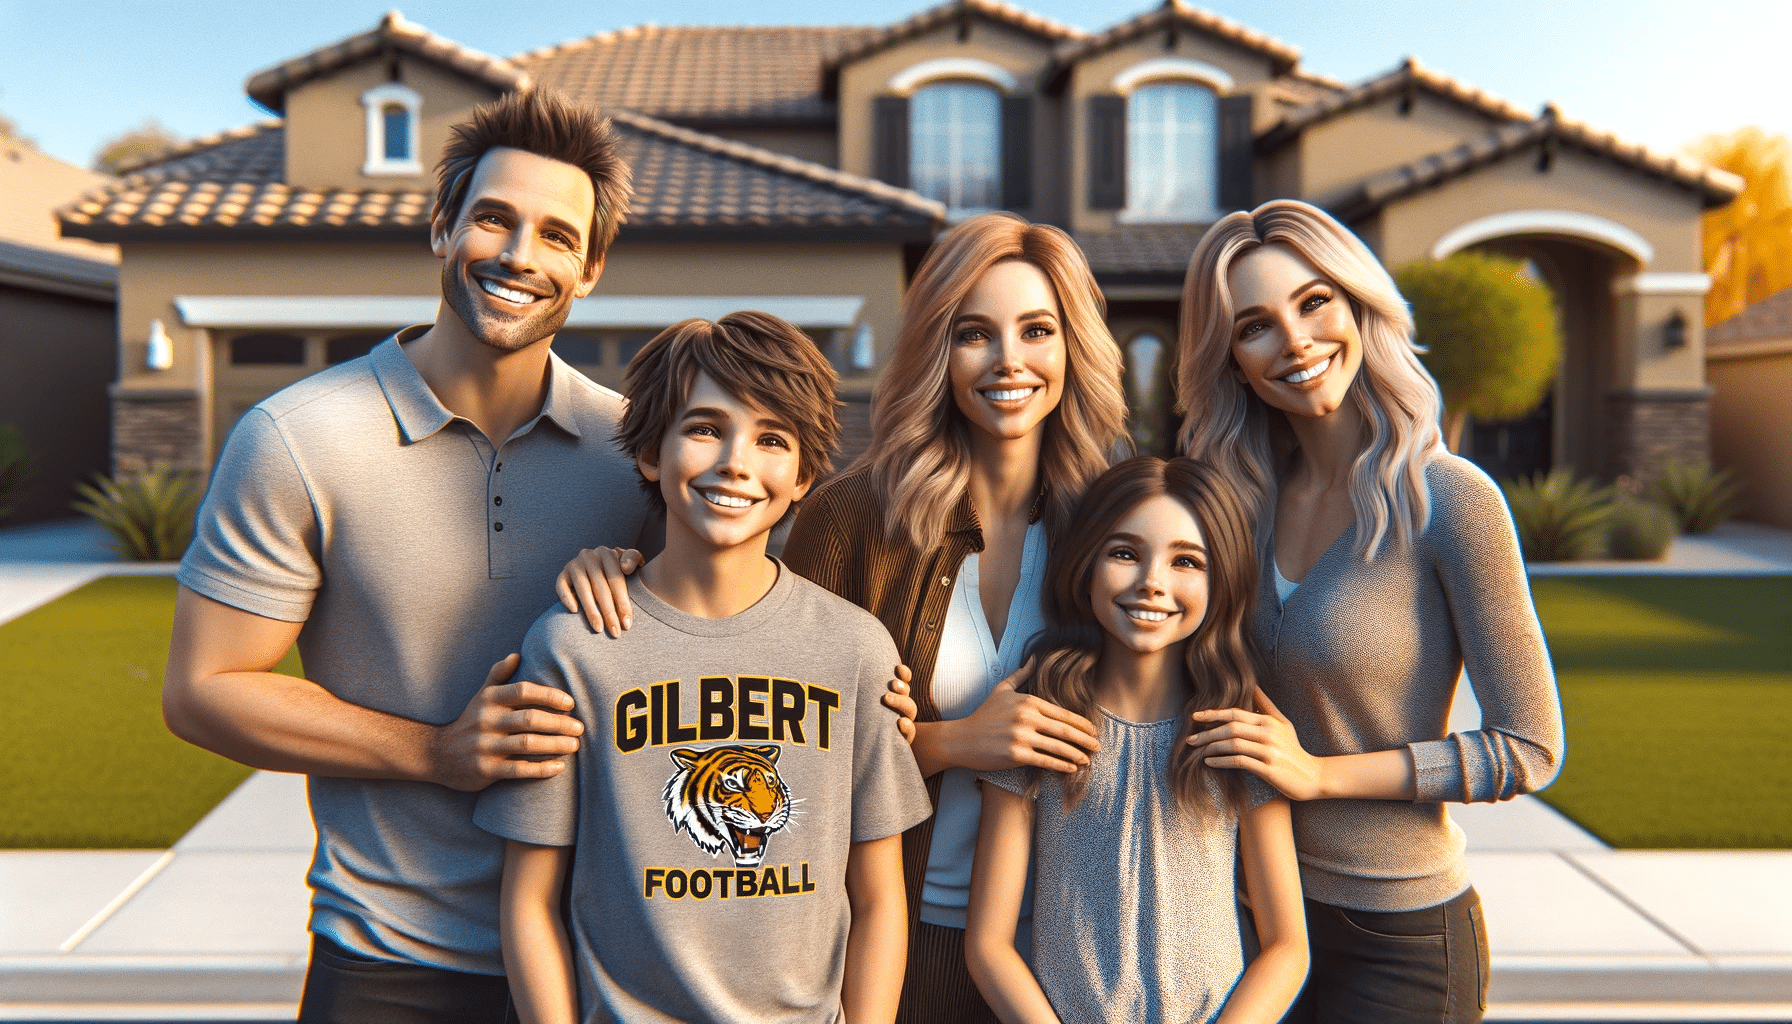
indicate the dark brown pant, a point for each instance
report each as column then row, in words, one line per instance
column 345, row 988
column 1413, row 967
column 938, row 988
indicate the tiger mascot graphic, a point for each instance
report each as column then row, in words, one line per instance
column 728, row 796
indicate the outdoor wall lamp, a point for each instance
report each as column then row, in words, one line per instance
column 161, row 348
column 1673, row 333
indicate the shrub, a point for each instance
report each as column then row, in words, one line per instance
column 1699, row 496
column 1559, row 518
column 149, row 513
column 1640, row 530
column 15, row 467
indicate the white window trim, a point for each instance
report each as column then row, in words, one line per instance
column 906, row 82
column 374, row 101
column 1163, row 68
column 1546, row 222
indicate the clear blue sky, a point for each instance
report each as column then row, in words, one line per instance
column 1662, row 72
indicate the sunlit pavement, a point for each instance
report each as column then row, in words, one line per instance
column 214, row 929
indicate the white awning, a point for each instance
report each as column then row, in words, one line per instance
column 649, row 312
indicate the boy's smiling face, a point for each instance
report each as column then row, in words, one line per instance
column 728, row 469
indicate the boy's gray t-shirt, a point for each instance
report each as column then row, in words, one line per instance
column 726, row 768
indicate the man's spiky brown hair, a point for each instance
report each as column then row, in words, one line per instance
column 544, row 124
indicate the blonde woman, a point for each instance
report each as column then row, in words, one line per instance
column 1388, row 565
column 1002, row 402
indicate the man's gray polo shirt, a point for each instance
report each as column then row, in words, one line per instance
column 416, row 556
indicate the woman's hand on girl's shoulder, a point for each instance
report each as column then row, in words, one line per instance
column 1012, row 729
column 903, row 703
column 596, row 583
column 1261, row 743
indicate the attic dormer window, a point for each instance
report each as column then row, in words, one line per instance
column 392, row 121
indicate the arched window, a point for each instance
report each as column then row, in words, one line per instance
column 1172, row 147
column 393, row 112
column 955, row 145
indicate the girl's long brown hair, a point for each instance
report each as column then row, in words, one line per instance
column 1220, row 658
column 920, row 443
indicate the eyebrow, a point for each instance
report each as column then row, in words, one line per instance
column 1029, row 314
column 1250, row 311
column 713, row 412
column 1175, row 545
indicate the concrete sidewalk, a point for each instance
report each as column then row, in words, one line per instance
column 214, row 929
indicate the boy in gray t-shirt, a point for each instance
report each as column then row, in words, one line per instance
column 735, row 813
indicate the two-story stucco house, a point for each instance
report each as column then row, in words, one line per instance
column 804, row 170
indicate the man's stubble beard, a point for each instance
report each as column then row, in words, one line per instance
column 503, row 334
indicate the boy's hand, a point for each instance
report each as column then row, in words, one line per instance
column 504, row 733
column 596, row 582
column 899, row 701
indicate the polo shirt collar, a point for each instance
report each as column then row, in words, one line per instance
column 420, row 413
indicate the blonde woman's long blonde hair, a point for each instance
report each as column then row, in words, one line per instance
column 1228, row 425
column 919, row 459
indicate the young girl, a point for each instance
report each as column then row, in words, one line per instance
column 1134, row 910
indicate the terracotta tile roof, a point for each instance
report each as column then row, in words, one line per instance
column 950, row 12
column 1176, row 14
column 393, row 33
column 1767, row 320
column 698, row 75
column 1409, row 75
column 1547, row 130
column 683, row 180
column 1155, row 249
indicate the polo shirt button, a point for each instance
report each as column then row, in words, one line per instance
column 499, row 468
column 497, row 501
column 498, row 527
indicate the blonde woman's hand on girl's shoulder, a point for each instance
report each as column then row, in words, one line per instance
column 1261, row 743
column 596, row 583
column 1009, row 729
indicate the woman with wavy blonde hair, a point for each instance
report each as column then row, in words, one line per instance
column 1002, row 402
column 1388, row 566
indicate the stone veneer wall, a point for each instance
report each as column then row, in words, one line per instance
column 1648, row 431
column 155, row 428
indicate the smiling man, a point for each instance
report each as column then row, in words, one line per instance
column 401, row 517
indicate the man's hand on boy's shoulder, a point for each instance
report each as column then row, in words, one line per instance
column 596, row 583
column 509, row 730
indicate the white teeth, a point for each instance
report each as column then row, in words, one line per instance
column 507, row 294
column 1299, row 376
column 726, row 500
column 1008, row 396
column 1147, row 616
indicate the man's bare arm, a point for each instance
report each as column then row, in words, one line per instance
column 220, row 693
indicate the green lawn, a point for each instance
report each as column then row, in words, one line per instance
column 85, row 760
column 1678, row 698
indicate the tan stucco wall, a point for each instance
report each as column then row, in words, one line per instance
column 326, row 125
column 1335, row 156
column 1751, row 423
column 1666, row 216
column 153, row 275
column 1020, row 54
column 33, row 184
column 1095, row 76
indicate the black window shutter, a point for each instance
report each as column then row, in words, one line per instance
column 1107, row 152
column 1017, row 152
column 889, row 139
column 1235, row 155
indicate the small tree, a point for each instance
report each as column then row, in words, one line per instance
column 1490, row 329
column 1748, row 241
column 150, row 139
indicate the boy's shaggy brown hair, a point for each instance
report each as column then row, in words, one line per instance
column 758, row 358
column 541, row 123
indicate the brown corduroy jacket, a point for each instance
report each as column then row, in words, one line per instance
column 838, row 541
